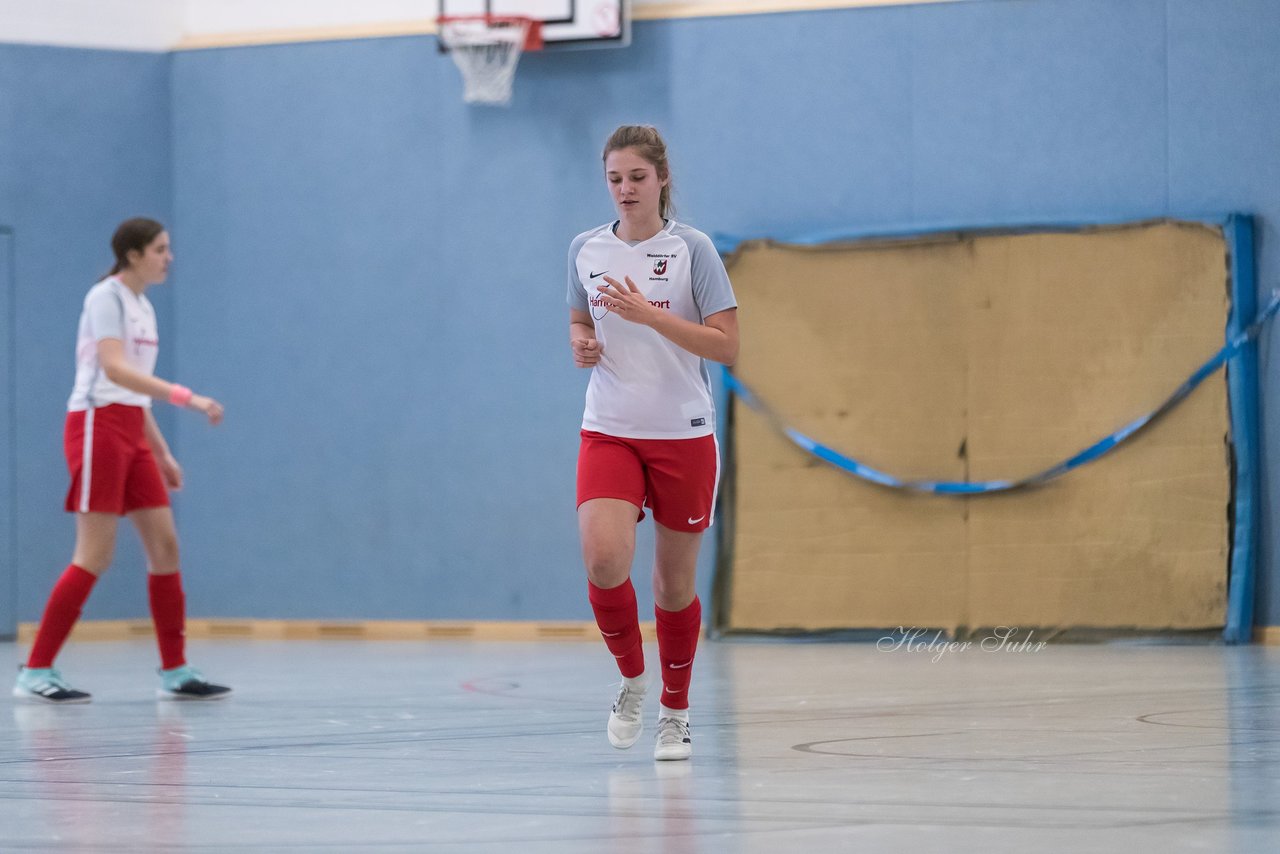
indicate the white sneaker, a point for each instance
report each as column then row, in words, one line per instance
column 673, row 740
column 625, row 721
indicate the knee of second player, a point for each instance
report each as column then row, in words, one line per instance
column 162, row 552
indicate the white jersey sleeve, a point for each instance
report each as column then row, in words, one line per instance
column 104, row 315
column 711, row 288
column 577, row 296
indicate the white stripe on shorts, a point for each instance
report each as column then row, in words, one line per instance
column 715, row 490
column 86, row 461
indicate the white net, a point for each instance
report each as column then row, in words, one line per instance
column 486, row 52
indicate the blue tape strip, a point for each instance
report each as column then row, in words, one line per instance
column 727, row 244
column 1235, row 344
column 1242, row 379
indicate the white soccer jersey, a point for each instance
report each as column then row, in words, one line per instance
column 111, row 310
column 645, row 386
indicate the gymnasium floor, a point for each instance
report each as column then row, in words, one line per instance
column 500, row 747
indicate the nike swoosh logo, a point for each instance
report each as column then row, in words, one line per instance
column 598, row 275
column 611, row 634
column 699, row 519
column 680, row 666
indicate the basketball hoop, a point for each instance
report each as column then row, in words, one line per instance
column 486, row 49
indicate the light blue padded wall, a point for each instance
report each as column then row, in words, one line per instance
column 370, row 274
column 85, row 141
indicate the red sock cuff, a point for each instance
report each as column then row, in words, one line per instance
column 688, row 615
column 165, row 583
column 612, row 597
column 78, row 578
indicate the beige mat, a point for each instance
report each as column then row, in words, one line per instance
column 982, row 356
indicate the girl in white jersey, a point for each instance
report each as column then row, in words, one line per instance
column 121, row 466
column 649, row 300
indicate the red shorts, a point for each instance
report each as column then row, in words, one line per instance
column 112, row 468
column 676, row 478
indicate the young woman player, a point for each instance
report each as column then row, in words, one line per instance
column 121, row 466
column 649, row 301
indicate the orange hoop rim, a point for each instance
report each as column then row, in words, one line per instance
column 532, row 32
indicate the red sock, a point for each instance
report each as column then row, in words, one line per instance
column 677, row 642
column 619, row 622
column 66, row 600
column 169, row 613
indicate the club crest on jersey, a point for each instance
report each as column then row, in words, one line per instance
column 660, row 267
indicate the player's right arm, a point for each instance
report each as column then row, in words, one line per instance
column 582, row 338
column 116, row 367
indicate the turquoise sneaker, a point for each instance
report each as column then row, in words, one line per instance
column 187, row 683
column 46, row 685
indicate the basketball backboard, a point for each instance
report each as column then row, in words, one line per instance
column 566, row 24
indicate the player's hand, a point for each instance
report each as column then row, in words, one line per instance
column 586, row 352
column 210, row 407
column 171, row 471
column 626, row 301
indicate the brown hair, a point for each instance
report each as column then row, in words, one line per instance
column 132, row 235
column 649, row 144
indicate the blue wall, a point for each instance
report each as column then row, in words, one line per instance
column 8, row 482
column 85, row 144
column 370, row 274
column 374, row 285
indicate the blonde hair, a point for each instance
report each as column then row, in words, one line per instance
column 649, row 144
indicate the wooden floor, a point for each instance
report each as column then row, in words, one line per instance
column 342, row 745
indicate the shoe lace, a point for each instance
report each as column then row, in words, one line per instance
column 628, row 704
column 672, row 731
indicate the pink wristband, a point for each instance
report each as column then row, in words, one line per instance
column 179, row 395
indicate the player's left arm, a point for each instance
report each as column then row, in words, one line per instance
column 716, row 338
column 169, row 467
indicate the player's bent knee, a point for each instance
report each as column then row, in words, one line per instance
column 607, row 571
